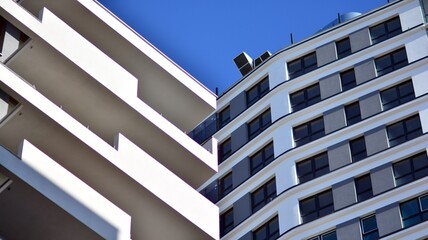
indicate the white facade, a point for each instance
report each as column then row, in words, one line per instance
column 93, row 123
column 388, row 197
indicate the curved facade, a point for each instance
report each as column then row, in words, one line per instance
column 326, row 138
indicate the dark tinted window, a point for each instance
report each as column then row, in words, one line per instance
column 369, row 228
column 225, row 150
column 226, row 222
column 343, row 48
column 224, row 117
column 261, row 158
column 414, row 211
column 348, row 80
column 263, row 195
column 358, row 149
column 326, row 236
column 305, row 97
column 316, row 206
column 258, row 91
column 391, row 61
column 353, row 114
column 397, row 95
column 404, row 130
column 312, row 167
column 363, row 186
column 268, row 231
column 309, row 131
column 302, row 65
column 385, row 30
column 411, row 169
column 256, row 126
column 226, row 185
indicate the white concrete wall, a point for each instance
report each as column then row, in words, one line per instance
column 171, row 189
column 68, row 192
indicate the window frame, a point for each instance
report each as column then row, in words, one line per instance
column 316, row 171
column 303, row 65
column 409, row 176
column 222, row 121
column 223, row 191
column 258, row 122
column 267, row 195
column 259, row 91
column 317, row 210
column 421, row 214
column 363, row 192
column 394, row 64
column 323, row 235
column 360, row 154
column 368, row 235
column 307, row 100
column 267, row 226
column 388, row 33
column 352, row 118
column 349, row 84
column 394, row 141
column 346, row 43
column 400, row 99
column 225, row 228
column 222, row 156
column 310, row 136
column 264, row 159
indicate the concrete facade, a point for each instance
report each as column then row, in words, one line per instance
column 317, row 193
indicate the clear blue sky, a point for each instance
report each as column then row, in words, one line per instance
column 203, row 37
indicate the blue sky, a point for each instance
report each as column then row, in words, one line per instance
column 203, row 37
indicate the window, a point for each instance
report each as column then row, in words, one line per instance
column 414, row 211
column 352, row 113
column 343, row 48
column 316, row 206
column 224, row 117
column 326, row 236
column 258, row 91
column 391, row 61
column 397, row 95
column 385, row 30
column 305, row 97
column 313, row 167
column 269, row 230
column 309, row 131
column 369, row 228
column 225, row 150
column 261, row 158
column 225, row 185
column 256, row 126
column 302, row 65
column 411, row 169
column 226, row 222
column 358, row 149
column 404, row 130
column 348, row 80
column 263, row 195
column 363, row 187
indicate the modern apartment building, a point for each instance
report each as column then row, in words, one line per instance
column 93, row 123
column 326, row 139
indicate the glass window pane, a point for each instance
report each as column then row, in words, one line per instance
column 369, row 224
column 395, row 130
column 300, row 132
column 307, row 206
column 304, row 168
column 409, row 208
column 329, row 236
column 325, row 199
column 424, row 202
column 402, row 168
column 420, row 161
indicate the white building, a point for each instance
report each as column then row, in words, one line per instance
column 93, row 123
column 326, row 139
